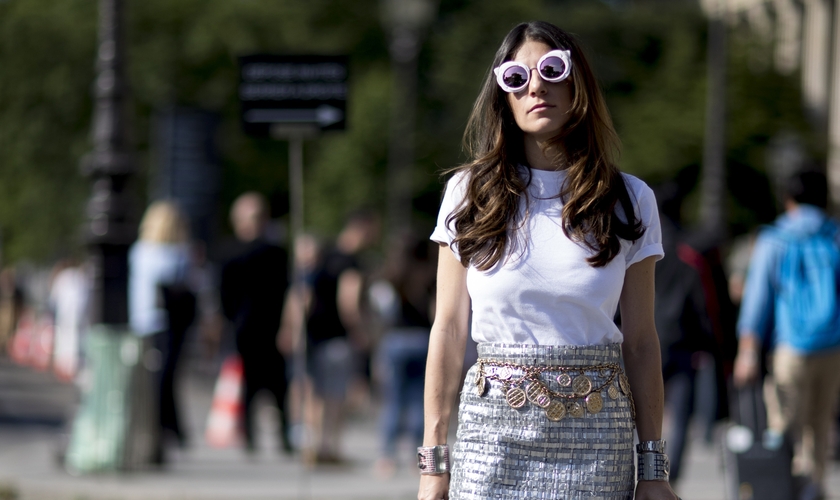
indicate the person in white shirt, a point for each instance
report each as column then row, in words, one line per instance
column 162, row 306
column 541, row 240
column 69, row 295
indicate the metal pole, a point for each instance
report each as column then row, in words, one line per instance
column 833, row 166
column 111, row 224
column 406, row 21
column 713, row 181
column 296, row 214
column 296, row 192
column 816, row 52
column 401, row 141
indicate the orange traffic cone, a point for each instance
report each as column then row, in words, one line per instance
column 223, row 423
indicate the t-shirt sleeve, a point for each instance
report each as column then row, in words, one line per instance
column 650, row 244
column 452, row 197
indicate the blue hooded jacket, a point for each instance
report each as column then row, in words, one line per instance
column 761, row 308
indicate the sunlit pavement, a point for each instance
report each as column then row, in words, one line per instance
column 31, row 405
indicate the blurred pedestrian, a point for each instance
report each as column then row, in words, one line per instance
column 791, row 293
column 702, row 251
column 292, row 335
column 682, row 323
column 336, row 333
column 69, row 294
column 162, row 305
column 403, row 299
column 253, row 287
column 11, row 306
column 541, row 239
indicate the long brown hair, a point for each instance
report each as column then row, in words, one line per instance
column 487, row 221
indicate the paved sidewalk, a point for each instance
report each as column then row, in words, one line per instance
column 28, row 464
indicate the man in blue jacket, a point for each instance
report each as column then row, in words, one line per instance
column 791, row 298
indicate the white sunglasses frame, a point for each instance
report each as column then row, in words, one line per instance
column 565, row 55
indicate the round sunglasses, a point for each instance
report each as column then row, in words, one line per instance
column 554, row 66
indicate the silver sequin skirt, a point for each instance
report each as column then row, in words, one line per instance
column 507, row 453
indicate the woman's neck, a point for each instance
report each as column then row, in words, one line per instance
column 541, row 159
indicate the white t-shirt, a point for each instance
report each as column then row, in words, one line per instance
column 545, row 292
column 150, row 266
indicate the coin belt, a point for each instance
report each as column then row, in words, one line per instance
column 581, row 395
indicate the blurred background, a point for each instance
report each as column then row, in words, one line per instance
column 720, row 99
column 181, row 55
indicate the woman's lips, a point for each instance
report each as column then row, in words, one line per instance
column 539, row 107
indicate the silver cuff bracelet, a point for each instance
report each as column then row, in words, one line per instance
column 653, row 467
column 651, row 446
column 433, row 459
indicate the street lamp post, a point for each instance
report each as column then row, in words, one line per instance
column 406, row 21
column 713, row 180
column 124, row 436
column 111, row 225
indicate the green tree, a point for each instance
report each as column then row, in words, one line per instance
column 650, row 59
column 46, row 56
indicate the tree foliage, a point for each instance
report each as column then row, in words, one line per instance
column 46, row 54
column 184, row 52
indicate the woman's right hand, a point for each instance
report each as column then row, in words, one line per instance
column 434, row 487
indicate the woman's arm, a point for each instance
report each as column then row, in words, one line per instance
column 445, row 362
column 643, row 363
column 642, row 358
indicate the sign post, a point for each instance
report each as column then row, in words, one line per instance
column 293, row 98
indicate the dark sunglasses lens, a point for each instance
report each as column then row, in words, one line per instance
column 552, row 68
column 515, row 77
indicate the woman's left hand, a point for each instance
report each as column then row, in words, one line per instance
column 655, row 490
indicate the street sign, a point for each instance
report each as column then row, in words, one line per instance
column 292, row 91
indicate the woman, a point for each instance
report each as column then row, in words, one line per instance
column 161, row 304
column 541, row 239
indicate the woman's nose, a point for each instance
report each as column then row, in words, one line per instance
column 537, row 84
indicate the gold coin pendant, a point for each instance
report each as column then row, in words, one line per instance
column 516, row 397
column 582, row 385
column 555, row 411
column 575, row 409
column 505, row 373
column 594, row 402
column 624, row 383
column 481, row 386
column 564, row 380
column 613, row 391
column 536, row 393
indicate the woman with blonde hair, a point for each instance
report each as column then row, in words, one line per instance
column 541, row 239
column 161, row 303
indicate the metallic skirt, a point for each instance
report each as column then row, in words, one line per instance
column 505, row 452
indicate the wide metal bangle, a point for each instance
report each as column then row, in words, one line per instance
column 433, row 459
column 651, row 446
column 653, row 467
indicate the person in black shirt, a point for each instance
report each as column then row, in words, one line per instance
column 335, row 332
column 253, row 288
